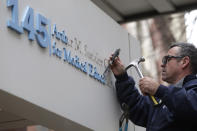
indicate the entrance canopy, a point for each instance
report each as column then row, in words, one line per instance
column 124, row 11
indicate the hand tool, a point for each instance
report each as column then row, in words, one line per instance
column 114, row 55
column 135, row 64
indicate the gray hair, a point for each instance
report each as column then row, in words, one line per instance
column 188, row 49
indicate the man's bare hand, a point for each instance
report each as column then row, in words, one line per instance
column 148, row 86
column 117, row 67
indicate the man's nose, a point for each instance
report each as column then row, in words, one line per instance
column 163, row 65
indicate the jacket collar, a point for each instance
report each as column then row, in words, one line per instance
column 179, row 83
column 189, row 78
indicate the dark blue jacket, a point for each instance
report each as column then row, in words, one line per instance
column 177, row 112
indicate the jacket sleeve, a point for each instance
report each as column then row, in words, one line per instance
column 182, row 102
column 127, row 93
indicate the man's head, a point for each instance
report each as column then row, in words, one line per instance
column 181, row 60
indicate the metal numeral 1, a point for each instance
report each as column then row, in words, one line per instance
column 13, row 23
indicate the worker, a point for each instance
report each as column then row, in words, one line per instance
column 177, row 110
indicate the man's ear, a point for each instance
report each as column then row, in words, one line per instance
column 185, row 62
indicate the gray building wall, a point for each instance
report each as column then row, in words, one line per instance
column 38, row 85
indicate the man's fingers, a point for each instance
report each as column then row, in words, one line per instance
column 143, row 91
column 141, row 82
column 142, row 86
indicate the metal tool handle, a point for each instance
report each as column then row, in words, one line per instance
column 138, row 71
column 115, row 54
column 141, row 76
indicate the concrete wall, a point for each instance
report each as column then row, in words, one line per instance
column 38, row 85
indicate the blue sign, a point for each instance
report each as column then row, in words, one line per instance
column 42, row 34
